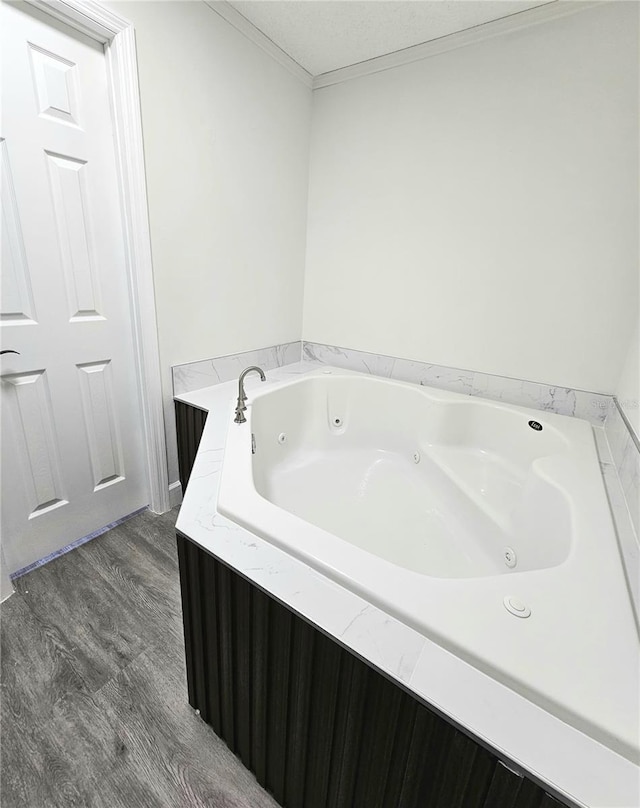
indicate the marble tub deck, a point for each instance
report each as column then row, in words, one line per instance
column 549, row 750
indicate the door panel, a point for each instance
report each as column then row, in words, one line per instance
column 56, row 85
column 16, row 301
column 101, row 423
column 71, row 205
column 72, row 446
column 36, row 435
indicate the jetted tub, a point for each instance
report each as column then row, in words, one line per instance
column 482, row 525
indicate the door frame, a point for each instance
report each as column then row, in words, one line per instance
column 118, row 37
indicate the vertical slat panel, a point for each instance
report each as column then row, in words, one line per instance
column 302, row 650
column 198, row 639
column 187, row 617
column 259, row 671
column 480, row 777
column 381, row 714
column 454, row 787
column 210, row 641
column 400, row 753
column 190, row 423
column 242, row 667
column 549, row 802
column 224, row 581
column 348, row 731
column 326, row 667
column 319, row 727
column 503, row 789
column 188, row 451
column 452, row 769
column 434, row 756
column 279, row 657
column 417, row 774
column 529, row 795
column 181, row 411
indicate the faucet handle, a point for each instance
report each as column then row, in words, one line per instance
column 242, row 396
column 240, row 410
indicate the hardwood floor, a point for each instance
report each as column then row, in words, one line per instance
column 93, row 689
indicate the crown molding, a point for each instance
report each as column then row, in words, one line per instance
column 522, row 19
column 242, row 24
column 86, row 16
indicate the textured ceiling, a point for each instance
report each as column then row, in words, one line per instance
column 324, row 35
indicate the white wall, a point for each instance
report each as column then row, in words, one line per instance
column 479, row 209
column 628, row 389
column 226, row 138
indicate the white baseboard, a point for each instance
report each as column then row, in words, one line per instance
column 175, row 493
column 6, row 587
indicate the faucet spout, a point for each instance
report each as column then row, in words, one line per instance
column 241, row 405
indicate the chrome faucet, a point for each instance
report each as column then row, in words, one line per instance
column 242, row 396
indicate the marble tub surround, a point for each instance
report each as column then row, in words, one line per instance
column 626, row 534
column 196, row 375
column 615, row 437
column 593, row 407
column 563, row 758
column 625, row 456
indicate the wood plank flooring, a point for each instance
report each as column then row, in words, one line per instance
column 93, row 690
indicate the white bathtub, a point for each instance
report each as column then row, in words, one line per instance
column 461, row 517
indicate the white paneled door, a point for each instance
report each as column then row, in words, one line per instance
column 72, row 439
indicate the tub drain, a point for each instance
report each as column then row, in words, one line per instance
column 510, row 557
column 516, row 607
